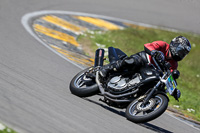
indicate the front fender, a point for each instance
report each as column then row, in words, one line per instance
column 163, row 93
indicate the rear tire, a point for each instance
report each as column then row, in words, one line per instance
column 155, row 107
column 79, row 88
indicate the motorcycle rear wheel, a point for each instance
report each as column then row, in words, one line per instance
column 82, row 86
column 138, row 113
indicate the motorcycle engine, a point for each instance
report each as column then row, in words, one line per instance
column 119, row 83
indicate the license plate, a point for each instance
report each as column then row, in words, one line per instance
column 171, row 84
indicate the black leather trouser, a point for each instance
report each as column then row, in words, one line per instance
column 135, row 61
column 132, row 63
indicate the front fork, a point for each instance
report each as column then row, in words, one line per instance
column 155, row 88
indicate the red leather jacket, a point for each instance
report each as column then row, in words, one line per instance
column 163, row 47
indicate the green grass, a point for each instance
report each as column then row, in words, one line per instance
column 132, row 40
column 5, row 129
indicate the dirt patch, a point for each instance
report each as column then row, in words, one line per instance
column 87, row 47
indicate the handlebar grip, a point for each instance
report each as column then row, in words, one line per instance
column 167, row 65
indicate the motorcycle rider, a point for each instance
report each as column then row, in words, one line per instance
column 178, row 48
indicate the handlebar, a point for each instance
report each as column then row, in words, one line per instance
column 159, row 61
column 164, row 67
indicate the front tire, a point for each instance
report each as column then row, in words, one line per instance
column 83, row 88
column 138, row 113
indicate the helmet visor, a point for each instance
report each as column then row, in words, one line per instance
column 181, row 51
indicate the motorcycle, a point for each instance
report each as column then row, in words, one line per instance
column 143, row 92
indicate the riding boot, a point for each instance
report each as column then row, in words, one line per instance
column 133, row 62
column 115, row 66
column 105, row 69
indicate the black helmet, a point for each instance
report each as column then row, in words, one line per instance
column 179, row 47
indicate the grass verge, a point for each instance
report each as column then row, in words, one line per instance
column 132, row 40
column 5, row 129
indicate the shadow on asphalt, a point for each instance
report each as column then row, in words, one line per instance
column 121, row 113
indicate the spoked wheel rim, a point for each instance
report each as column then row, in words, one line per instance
column 82, row 86
column 137, row 109
column 82, row 81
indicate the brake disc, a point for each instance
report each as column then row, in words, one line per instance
column 140, row 107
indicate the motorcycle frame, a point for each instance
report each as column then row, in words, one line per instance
column 154, row 90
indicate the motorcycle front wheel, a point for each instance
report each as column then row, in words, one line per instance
column 139, row 113
column 82, row 86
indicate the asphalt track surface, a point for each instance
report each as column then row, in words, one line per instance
column 35, row 96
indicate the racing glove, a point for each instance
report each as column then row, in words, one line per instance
column 158, row 55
